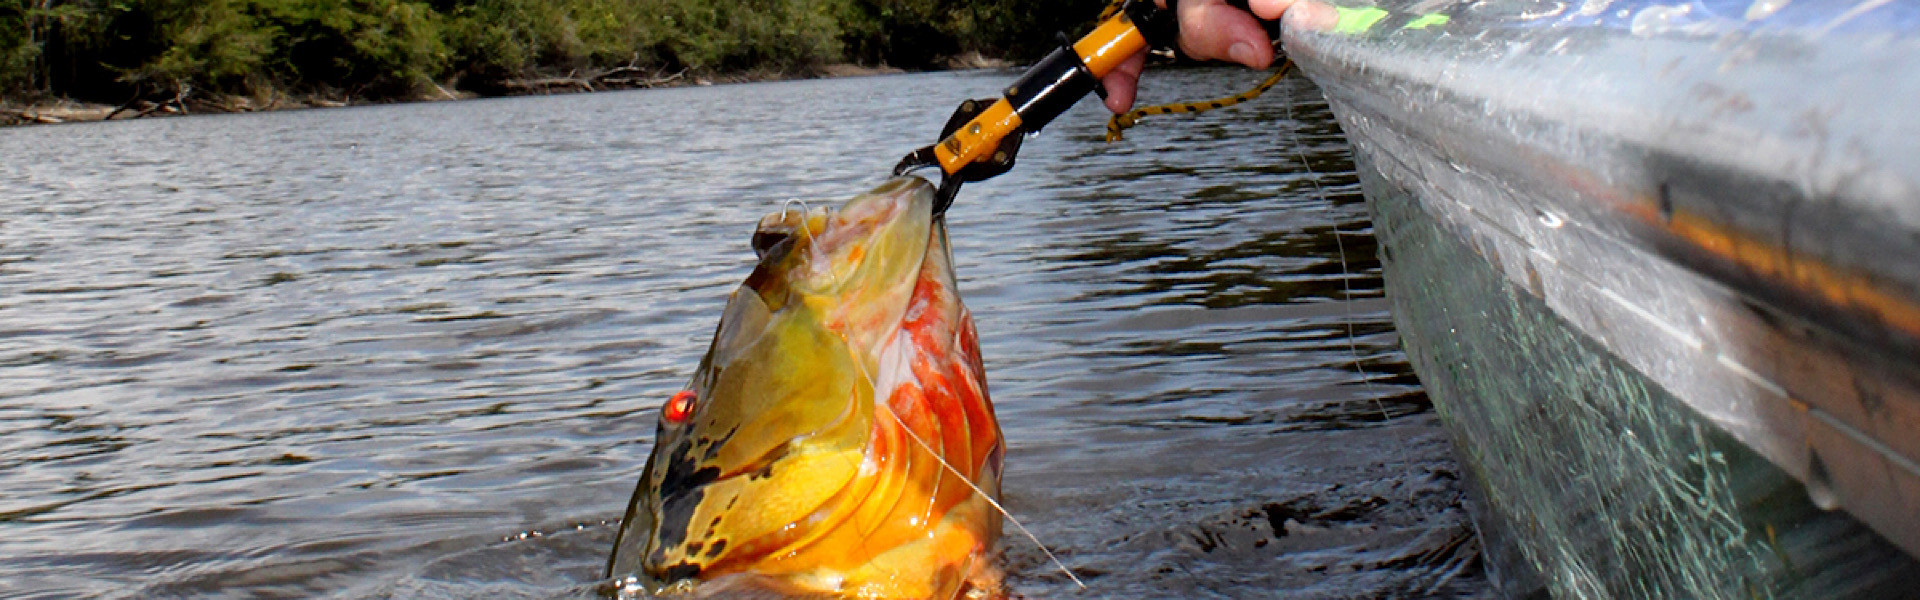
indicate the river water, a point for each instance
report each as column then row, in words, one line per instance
column 416, row 351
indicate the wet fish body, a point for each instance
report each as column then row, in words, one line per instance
column 838, row 437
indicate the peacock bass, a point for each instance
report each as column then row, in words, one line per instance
column 837, row 438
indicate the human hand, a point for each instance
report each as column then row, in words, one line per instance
column 1209, row 30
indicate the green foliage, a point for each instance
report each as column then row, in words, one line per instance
column 501, row 37
column 205, row 44
column 232, row 45
column 387, row 46
column 47, row 34
column 18, row 49
column 109, row 49
column 1027, row 29
column 777, row 34
column 918, row 33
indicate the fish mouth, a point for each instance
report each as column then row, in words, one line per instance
column 877, row 238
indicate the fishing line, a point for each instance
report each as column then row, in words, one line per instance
column 1346, row 276
column 968, row 481
column 985, row 496
column 806, row 224
column 787, row 207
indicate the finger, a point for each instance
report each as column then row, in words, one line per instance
column 1123, row 81
column 1211, row 30
column 1269, row 9
column 1311, row 15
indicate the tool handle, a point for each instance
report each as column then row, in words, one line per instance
column 982, row 137
column 1046, row 90
column 1057, row 82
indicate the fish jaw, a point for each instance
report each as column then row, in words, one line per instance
column 844, row 441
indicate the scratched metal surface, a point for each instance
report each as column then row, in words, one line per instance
column 1710, row 204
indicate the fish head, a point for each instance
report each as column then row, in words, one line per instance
column 762, row 443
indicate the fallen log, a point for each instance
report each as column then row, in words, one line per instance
column 616, row 78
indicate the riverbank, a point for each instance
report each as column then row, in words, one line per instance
column 63, row 110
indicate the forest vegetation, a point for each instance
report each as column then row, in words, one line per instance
column 122, row 51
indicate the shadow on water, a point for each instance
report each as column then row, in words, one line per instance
column 416, row 351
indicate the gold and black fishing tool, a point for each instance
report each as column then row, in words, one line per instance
column 982, row 137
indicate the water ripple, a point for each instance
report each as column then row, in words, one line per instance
column 407, row 351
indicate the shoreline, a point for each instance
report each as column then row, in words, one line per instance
column 63, row 110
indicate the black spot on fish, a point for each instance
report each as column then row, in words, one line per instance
column 716, row 548
column 682, row 571
column 681, row 489
column 714, row 450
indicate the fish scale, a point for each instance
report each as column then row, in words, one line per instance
column 840, row 440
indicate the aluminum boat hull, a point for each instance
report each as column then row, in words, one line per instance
column 1659, row 268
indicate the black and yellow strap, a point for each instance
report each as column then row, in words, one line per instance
column 1121, row 122
column 1351, row 21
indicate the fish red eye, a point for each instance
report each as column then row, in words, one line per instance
column 679, row 407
